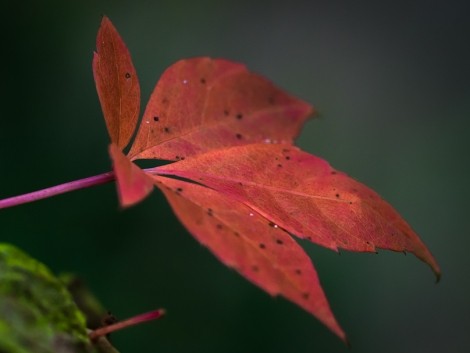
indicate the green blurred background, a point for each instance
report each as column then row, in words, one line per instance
column 391, row 82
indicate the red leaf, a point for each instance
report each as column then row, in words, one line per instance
column 305, row 196
column 203, row 104
column 214, row 114
column 259, row 250
column 133, row 184
column 117, row 84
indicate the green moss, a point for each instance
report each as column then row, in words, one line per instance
column 37, row 313
column 85, row 300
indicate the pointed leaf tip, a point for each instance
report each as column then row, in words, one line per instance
column 438, row 275
column 116, row 83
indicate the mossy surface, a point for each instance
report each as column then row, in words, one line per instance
column 37, row 313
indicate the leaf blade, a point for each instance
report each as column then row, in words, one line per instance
column 133, row 184
column 242, row 239
column 117, row 84
column 202, row 104
column 306, row 196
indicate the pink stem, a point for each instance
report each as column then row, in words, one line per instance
column 152, row 315
column 67, row 187
column 57, row 190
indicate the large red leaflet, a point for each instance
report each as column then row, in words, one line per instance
column 304, row 195
column 117, row 84
column 244, row 240
column 203, row 104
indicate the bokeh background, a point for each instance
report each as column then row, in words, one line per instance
column 391, row 83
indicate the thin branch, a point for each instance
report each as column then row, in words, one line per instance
column 152, row 315
column 57, row 190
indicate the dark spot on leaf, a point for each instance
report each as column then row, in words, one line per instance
column 262, row 246
column 271, row 100
column 226, row 112
column 350, row 202
column 337, row 196
column 309, row 238
column 166, row 129
column 236, row 234
column 240, row 183
column 182, row 158
column 305, row 295
column 299, row 272
column 271, row 224
column 210, row 212
column 239, row 136
column 333, row 172
column 203, row 81
column 287, row 158
column 239, row 116
column 285, row 150
column 128, row 75
column 279, row 165
column 165, row 101
column 279, row 241
column 219, row 226
column 368, row 242
column 179, row 189
column 156, row 118
column 177, row 158
column 255, row 268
